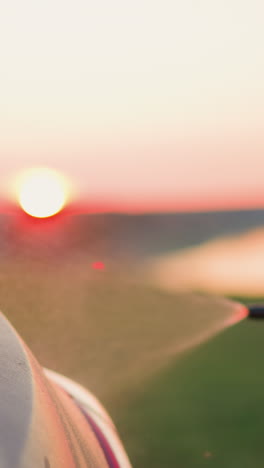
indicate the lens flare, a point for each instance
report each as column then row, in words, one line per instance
column 42, row 192
column 98, row 266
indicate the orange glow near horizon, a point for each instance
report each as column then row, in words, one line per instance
column 42, row 192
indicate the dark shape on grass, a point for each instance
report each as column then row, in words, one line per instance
column 46, row 463
column 256, row 311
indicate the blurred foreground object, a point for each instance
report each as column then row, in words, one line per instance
column 48, row 420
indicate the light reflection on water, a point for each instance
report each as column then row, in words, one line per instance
column 226, row 266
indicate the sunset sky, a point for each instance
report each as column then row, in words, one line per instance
column 144, row 105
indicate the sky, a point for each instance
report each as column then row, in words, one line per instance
column 144, row 105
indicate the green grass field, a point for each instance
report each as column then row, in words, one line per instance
column 124, row 341
column 204, row 410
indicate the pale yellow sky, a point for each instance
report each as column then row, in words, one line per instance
column 143, row 100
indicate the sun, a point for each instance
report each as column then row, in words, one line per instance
column 42, row 192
